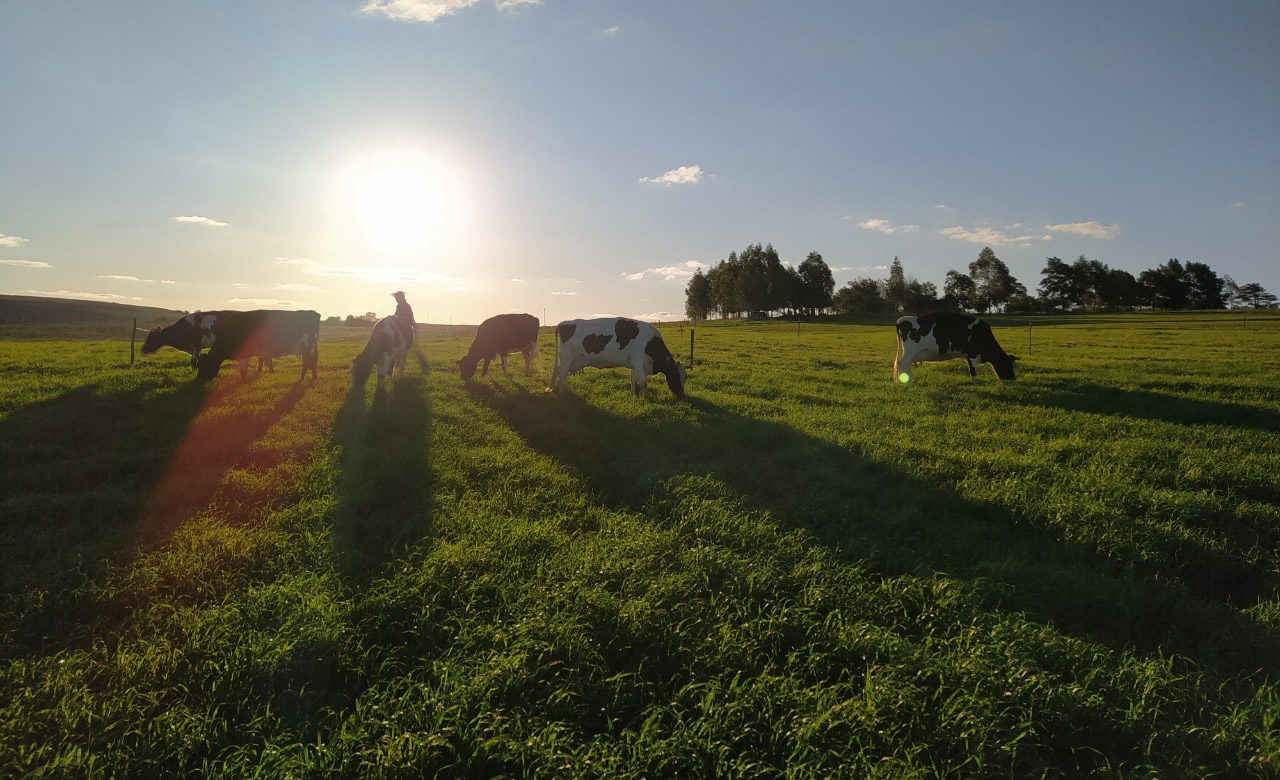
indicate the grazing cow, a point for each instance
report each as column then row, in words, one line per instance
column 265, row 334
column 191, row 333
column 498, row 336
column 945, row 336
column 388, row 345
column 615, row 342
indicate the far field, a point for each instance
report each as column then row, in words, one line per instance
column 805, row 569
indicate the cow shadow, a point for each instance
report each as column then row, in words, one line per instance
column 903, row 525
column 1149, row 405
column 75, row 474
column 385, row 501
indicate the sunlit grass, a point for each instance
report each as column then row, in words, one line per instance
column 806, row 569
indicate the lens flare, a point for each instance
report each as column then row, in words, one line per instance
column 904, row 377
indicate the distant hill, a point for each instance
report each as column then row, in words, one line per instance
column 24, row 316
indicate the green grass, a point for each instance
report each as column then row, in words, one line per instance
column 803, row 570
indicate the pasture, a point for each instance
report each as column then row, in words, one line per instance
column 805, row 569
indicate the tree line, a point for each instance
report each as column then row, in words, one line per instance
column 756, row 283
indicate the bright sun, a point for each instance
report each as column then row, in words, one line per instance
column 404, row 201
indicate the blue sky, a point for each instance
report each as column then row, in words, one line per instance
column 583, row 156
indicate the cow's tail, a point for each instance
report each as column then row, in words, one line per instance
column 555, row 365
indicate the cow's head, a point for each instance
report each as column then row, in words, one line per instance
column 1004, row 365
column 467, row 365
column 677, row 376
column 155, row 340
column 361, row 367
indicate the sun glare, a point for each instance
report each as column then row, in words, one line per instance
column 404, row 201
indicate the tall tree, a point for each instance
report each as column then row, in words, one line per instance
column 1204, row 288
column 1058, row 284
column 860, row 296
column 753, row 280
column 697, row 296
column 819, row 284
column 960, row 287
column 1165, row 286
column 1255, row 296
column 1231, row 291
column 895, row 287
column 993, row 284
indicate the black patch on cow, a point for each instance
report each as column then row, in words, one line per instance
column 596, row 342
column 626, row 330
column 566, row 331
column 664, row 363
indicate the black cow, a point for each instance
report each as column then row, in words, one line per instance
column 946, row 336
column 499, row 336
column 266, row 334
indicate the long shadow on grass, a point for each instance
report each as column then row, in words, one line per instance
column 384, row 491
column 868, row 510
column 75, row 472
column 88, row 477
column 1147, row 405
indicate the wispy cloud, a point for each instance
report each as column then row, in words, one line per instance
column 127, row 278
column 562, row 292
column 507, row 5
column 667, row 272
column 984, row 235
column 206, row 221
column 264, row 301
column 13, row 241
column 614, row 30
column 655, row 316
column 1090, row 228
column 941, row 206
column 296, row 287
column 428, row 11
column 1238, row 204
column 93, row 296
column 845, row 268
column 368, row 273
column 240, row 285
column 26, row 263
column 516, row 279
column 885, row 226
column 685, row 174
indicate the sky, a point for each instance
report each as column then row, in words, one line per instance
column 572, row 158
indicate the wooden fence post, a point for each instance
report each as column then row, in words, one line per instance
column 1028, row 335
column 690, row 347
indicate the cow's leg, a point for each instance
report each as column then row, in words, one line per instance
column 195, row 357
column 484, row 369
column 244, row 368
column 528, row 357
column 973, row 369
column 315, row 362
column 504, row 364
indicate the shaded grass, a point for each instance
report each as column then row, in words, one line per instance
column 805, row 570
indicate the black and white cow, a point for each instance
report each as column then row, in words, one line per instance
column 615, row 342
column 497, row 337
column 388, row 345
column 946, row 336
column 191, row 333
column 265, row 334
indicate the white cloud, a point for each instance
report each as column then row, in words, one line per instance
column 1025, row 245
column 843, row 268
column 655, row 316
column 208, row 222
column 516, row 280
column 264, row 301
column 1014, row 226
column 369, row 273
column 93, row 296
column 1238, row 204
column 685, row 174
column 26, row 263
column 507, row 5
column 1046, row 237
column 885, row 226
column 13, row 241
column 415, row 10
column 127, row 278
column 1090, row 228
column 614, row 30
column 296, row 287
column 239, row 285
column 558, row 292
column 667, row 272
column 941, row 206
column 983, row 235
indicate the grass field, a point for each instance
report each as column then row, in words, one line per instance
column 803, row 570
